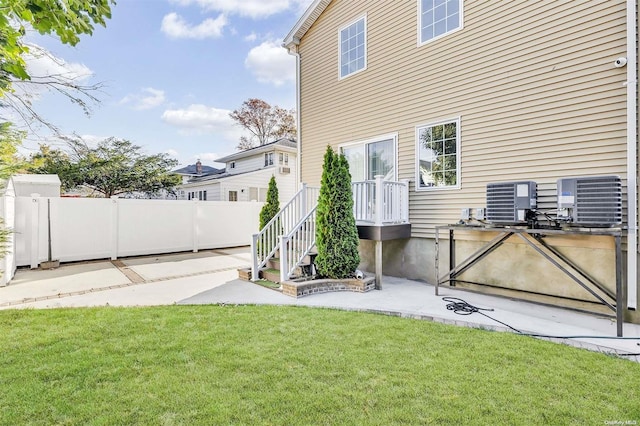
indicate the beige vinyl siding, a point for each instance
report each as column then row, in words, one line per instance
column 533, row 84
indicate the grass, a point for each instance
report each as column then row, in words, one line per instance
column 290, row 365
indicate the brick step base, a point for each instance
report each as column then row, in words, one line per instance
column 304, row 288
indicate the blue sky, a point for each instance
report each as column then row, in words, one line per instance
column 173, row 70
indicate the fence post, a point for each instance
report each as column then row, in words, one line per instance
column 377, row 215
column 115, row 226
column 405, row 201
column 195, row 229
column 33, row 231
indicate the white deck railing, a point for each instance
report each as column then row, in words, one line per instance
column 394, row 207
column 293, row 229
column 297, row 244
column 265, row 244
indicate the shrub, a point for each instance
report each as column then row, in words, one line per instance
column 272, row 207
column 336, row 232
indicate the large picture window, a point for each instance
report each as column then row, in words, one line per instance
column 371, row 158
column 438, row 153
column 353, row 47
column 438, row 17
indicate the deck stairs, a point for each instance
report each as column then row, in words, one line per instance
column 284, row 248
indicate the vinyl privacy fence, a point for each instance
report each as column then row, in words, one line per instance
column 75, row 229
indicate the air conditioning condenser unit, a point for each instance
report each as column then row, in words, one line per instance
column 594, row 201
column 511, row 203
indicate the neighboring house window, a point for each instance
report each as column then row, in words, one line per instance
column 232, row 165
column 283, row 158
column 438, row 17
column 268, row 159
column 371, row 158
column 200, row 195
column 438, row 153
column 353, row 47
column 233, row 195
column 204, row 195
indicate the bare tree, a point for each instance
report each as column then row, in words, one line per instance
column 264, row 122
column 20, row 99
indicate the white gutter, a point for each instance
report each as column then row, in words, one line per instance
column 632, row 165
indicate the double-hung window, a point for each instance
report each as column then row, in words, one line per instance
column 437, row 18
column 353, row 47
column 438, row 154
column 268, row 159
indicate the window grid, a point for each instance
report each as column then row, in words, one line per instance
column 438, row 155
column 438, row 17
column 353, row 48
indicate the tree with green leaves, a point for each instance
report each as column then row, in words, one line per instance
column 272, row 206
column 10, row 161
column 336, row 231
column 114, row 166
column 67, row 20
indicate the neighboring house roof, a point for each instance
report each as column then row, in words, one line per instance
column 191, row 170
column 305, row 22
column 280, row 143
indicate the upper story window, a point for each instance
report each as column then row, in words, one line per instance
column 353, row 47
column 232, row 165
column 283, row 158
column 438, row 153
column 438, row 17
column 268, row 159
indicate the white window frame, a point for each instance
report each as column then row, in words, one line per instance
column 460, row 24
column 361, row 17
column 393, row 136
column 419, row 127
column 232, row 164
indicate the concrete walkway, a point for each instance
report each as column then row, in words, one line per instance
column 210, row 277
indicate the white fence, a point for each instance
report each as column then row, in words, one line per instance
column 94, row 228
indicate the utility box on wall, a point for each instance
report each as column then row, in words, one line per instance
column 511, row 203
column 590, row 200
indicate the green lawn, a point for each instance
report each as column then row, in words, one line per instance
column 287, row 365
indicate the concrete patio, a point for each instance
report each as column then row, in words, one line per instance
column 210, row 277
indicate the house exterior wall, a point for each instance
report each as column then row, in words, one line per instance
column 243, row 165
column 259, row 179
column 532, row 83
column 212, row 187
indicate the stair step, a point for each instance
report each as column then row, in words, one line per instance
column 274, row 263
column 270, row 274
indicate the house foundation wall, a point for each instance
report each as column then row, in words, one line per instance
column 513, row 270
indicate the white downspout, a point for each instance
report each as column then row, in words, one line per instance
column 294, row 51
column 632, row 165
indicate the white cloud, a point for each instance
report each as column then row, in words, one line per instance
column 251, row 37
column 175, row 26
column 148, row 98
column 172, row 153
column 271, row 63
column 198, row 116
column 251, row 8
column 42, row 63
column 207, row 156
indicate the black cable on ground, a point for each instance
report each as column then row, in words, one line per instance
column 461, row 307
